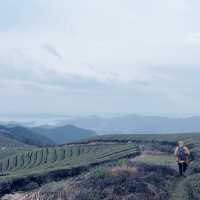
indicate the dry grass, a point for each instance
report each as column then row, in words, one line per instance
column 124, row 171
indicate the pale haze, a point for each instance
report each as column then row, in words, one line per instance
column 100, row 56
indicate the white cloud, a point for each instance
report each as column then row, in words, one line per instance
column 136, row 49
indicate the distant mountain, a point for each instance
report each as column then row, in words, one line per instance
column 9, row 146
column 25, row 136
column 6, row 141
column 64, row 134
column 138, row 124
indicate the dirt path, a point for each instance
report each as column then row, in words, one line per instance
column 175, row 189
column 160, row 158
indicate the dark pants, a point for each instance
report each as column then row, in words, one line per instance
column 182, row 168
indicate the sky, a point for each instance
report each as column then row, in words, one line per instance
column 100, row 56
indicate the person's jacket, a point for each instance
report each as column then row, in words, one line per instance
column 187, row 152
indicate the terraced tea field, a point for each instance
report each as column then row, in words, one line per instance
column 48, row 159
column 30, row 169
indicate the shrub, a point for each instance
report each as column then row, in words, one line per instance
column 101, row 173
column 124, row 171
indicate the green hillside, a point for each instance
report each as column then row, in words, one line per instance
column 9, row 146
column 181, row 188
column 30, row 169
column 26, row 136
column 149, row 156
column 49, row 159
column 64, row 134
column 193, row 137
column 16, row 139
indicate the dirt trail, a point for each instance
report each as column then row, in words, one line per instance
column 174, row 188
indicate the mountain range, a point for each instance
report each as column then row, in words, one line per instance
column 64, row 134
column 73, row 129
column 22, row 135
column 18, row 136
column 137, row 124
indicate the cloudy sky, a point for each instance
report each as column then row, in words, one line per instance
column 100, row 56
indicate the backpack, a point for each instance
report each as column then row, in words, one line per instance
column 181, row 154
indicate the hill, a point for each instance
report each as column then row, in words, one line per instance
column 138, row 124
column 29, row 169
column 6, row 141
column 64, row 134
column 9, row 146
column 25, row 136
column 105, row 167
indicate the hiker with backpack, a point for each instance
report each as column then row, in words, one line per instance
column 182, row 157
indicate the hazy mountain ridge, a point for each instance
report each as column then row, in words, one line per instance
column 64, row 134
column 137, row 123
column 25, row 136
column 6, row 141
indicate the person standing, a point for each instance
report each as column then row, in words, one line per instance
column 182, row 154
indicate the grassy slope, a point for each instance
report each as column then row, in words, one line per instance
column 188, row 137
column 162, row 160
column 49, row 159
column 110, row 151
column 115, row 181
column 167, row 161
column 18, row 139
column 32, row 171
column 180, row 188
column 27, row 136
column 64, row 134
column 9, row 146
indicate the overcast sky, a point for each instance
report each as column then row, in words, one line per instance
column 100, row 56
